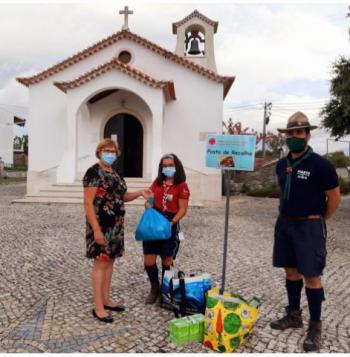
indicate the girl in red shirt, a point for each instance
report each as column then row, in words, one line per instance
column 171, row 195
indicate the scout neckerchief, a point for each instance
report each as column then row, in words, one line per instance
column 289, row 170
column 166, row 189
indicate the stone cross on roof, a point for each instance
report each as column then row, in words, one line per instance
column 126, row 12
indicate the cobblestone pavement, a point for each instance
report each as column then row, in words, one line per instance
column 45, row 293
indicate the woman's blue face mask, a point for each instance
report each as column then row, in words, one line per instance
column 108, row 157
column 169, row 171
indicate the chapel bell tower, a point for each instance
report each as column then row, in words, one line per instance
column 195, row 39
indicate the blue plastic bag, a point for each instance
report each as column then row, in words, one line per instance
column 153, row 226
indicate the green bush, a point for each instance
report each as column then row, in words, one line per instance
column 272, row 191
column 245, row 188
column 344, row 186
column 16, row 168
column 339, row 159
column 9, row 180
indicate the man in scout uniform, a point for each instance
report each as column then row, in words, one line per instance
column 310, row 195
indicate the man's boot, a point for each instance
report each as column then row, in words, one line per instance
column 291, row 320
column 313, row 341
column 154, row 293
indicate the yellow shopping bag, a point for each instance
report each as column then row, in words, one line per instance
column 228, row 321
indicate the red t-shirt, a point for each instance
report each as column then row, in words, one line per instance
column 166, row 197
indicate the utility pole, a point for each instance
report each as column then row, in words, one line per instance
column 267, row 114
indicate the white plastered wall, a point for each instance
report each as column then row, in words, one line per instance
column 6, row 136
column 208, row 60
column 198, row 109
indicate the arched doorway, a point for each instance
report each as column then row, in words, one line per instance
column 128, row 132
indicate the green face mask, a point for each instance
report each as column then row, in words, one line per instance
column 296, row 144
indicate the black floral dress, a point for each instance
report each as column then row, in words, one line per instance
column 110, row 211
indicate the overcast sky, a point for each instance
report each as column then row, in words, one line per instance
column 280, row 53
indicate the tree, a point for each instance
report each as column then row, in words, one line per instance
column 339, row 159
column 236, row 129
column 25, row 144
column 336, row 113
column 274, row 142
column 21, row 143
column 17, row 143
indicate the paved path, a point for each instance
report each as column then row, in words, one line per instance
column 45, row 294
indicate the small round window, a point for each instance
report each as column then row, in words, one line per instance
column 124, row 57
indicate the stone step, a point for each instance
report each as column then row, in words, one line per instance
column 56, row 194
column 48, row 200
column 66, row 188
column 136, row 179
column 65, row 200
column 79, row 200
column 73, row 193
column 59, row 193
column 132, row 184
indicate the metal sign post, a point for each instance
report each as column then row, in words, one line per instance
column 229, row 153
column 227, row 211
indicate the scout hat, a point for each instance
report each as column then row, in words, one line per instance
column 297, row 121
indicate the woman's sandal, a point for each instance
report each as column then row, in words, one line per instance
column 118, row 308
column 106, row 319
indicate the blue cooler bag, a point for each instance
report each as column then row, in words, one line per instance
column 184, row 295
column 153, row 226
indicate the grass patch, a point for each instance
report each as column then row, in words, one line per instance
column 16, row 168
column 9, row 180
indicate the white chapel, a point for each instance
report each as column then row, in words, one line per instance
column 125, row 87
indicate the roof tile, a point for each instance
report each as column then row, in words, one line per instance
column 167, row 86
column 193, row 14
column 125, row 34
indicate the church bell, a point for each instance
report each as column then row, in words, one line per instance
column 194, row 49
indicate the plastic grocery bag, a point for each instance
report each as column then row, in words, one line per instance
column 229, row 320
column 153, row 226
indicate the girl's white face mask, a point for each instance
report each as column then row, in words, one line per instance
column 169, row 171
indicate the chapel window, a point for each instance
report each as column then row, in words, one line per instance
column 124, row 57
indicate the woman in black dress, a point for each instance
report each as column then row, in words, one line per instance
column 104, row 195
